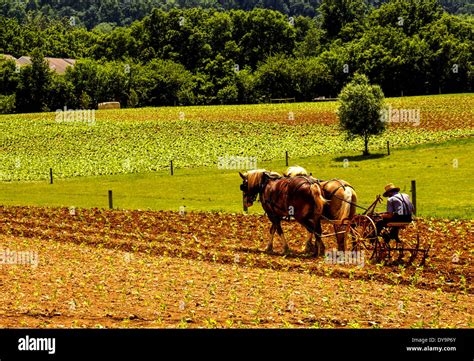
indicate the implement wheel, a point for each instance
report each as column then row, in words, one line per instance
column 361, row 236
column 406, row 251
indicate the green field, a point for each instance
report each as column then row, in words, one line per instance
column 146, row 140
column 129, row 151
column 442, row 189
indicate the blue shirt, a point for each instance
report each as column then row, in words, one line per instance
column 400, row 203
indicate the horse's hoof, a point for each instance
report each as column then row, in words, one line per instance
column 269, row 250
column 316, row 253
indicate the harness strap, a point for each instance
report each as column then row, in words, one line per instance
column 273, row 204
column 270, row 201
column 341, row 185
column 406, row 211
column 262, row 189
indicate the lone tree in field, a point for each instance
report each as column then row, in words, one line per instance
column 361, row 106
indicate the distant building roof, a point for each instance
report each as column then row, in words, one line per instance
column 59, row 65
column 8, row 57
column 24, row 60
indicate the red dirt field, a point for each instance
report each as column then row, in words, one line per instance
column 437, row 113
column 100, row 268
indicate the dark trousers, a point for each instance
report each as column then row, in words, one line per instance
column 393, row 232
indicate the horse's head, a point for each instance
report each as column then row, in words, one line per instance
column 251, row 185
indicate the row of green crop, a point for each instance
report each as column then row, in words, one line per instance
column 28, row 148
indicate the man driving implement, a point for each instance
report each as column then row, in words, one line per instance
column 399, row 209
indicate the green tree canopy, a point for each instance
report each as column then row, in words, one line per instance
column 360, row 109
column 337, row 13
column 34, row 85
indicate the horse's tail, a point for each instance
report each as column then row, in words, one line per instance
column 353, row 209
column 319, row 200
column 347, row 208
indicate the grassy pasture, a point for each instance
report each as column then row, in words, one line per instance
column 129, row 151
column 442, row 189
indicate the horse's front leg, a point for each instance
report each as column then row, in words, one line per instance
column 320, row 248
column 269, row 248
column 340, row 237
column 309, row 247
column 282, row 236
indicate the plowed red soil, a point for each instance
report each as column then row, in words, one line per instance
column 100, row 268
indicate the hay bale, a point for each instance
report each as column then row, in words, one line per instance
column 109, row 105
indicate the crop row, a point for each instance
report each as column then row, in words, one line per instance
column 29, row 148
column 237, row 239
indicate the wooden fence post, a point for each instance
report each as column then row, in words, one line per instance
column 50, row 175
column 388, row 147
column 111, row 205
column 286, row 158
column 171, row 166
column 413, row 195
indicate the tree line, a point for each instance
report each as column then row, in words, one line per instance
column 205, row 56
column 106, row 13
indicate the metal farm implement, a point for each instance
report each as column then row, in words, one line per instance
column 361, row 235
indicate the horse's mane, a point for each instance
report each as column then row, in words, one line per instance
column 254, row 177
column 295, row 170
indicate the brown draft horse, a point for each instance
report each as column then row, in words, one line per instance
column 299, row 197
column 342, row 200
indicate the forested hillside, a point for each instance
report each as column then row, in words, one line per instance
column 92, row 13
column 205, row 56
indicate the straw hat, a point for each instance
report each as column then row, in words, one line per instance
column 390, row 187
